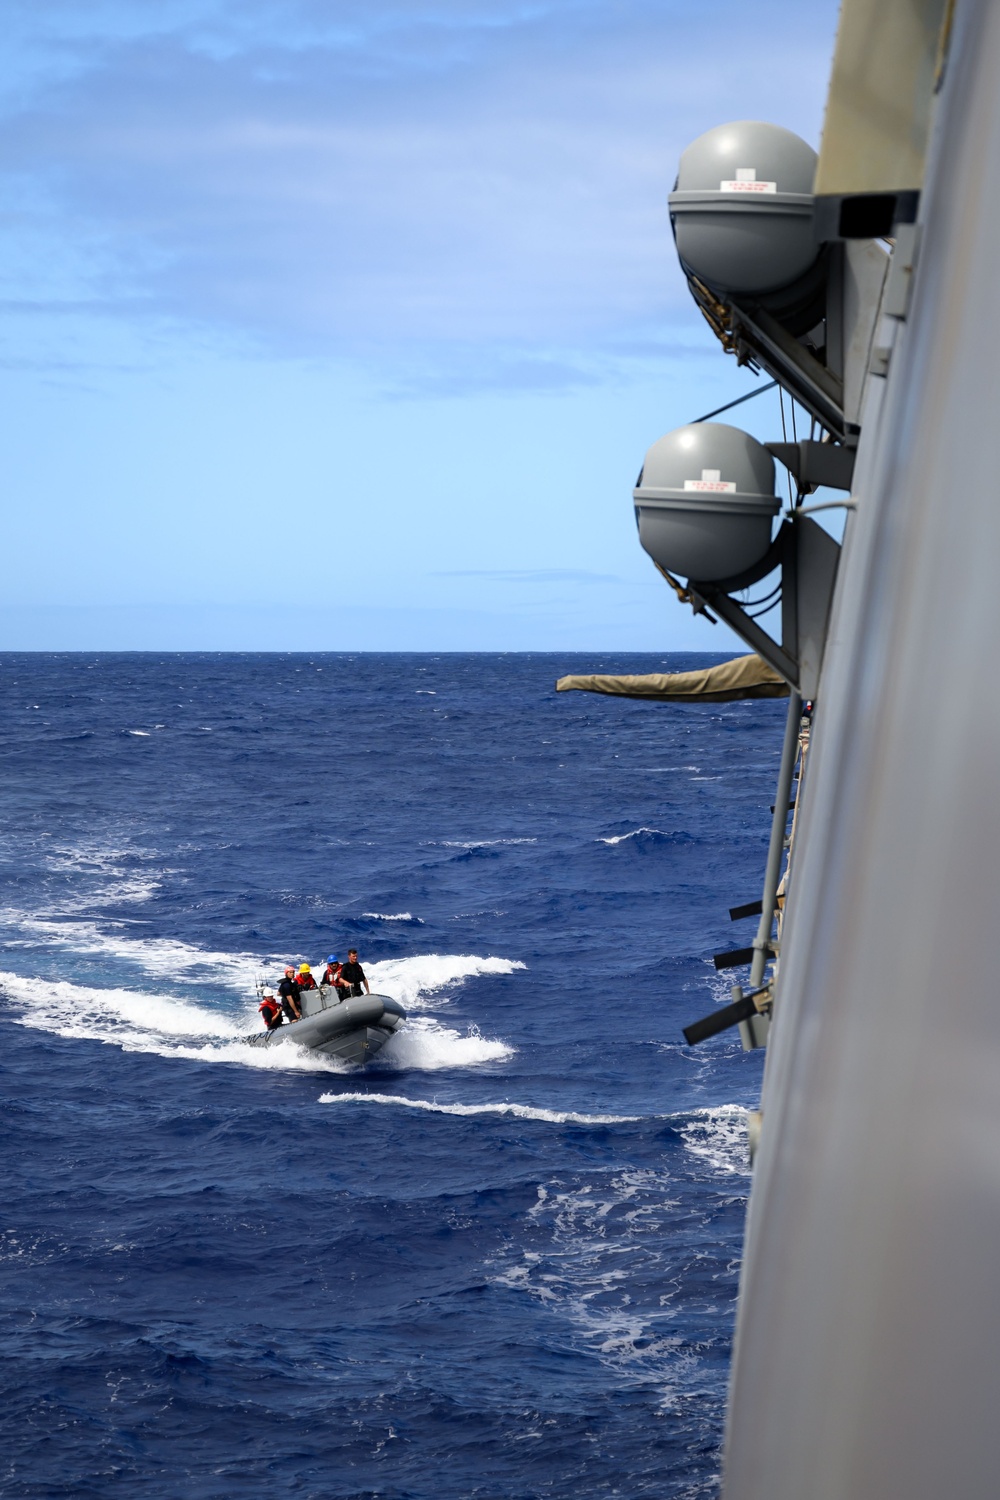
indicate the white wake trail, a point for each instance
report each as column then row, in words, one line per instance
column 215, row 1031
column 518, row 1111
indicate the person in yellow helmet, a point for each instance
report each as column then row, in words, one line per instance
column 306, row 981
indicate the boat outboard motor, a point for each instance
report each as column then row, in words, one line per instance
column 705, row 502
column 742, row 215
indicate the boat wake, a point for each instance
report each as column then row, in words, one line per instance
column 210, row 1024
column 517, row 1111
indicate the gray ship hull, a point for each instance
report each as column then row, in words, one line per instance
column 352, row 1030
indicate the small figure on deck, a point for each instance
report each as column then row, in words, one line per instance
column 304, row 976
column 288, row 989
column 353, row 974
column 270, row 1011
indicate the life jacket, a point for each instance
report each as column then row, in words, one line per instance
column 306, row 981
column 269, row 1009
column 331, row 974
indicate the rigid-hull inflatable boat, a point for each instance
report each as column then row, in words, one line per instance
column 353, row 1030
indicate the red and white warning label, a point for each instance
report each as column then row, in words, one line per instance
column 737, row 185
column 711, row 481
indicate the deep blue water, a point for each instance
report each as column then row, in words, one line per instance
column 502, row 1261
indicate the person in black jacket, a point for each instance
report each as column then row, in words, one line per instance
column 288, row 989
column 353, row 974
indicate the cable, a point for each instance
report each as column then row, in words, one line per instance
column 753, row 603
column 730, row 404
column 762, row 612
column 784, row 435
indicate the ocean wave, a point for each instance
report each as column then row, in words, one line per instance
column 112, row 866
column 215, row 1030
column 645, row 838
column 719, row 1137
column 399, row 916
column 161, row 958
column 158, row 1024
column 115, row 1014
column 518, row 1111
column 650, row 835
column 596, row 1241
column 423, row 1045
column 418, row 980
column 482, row 843
column 409, row 980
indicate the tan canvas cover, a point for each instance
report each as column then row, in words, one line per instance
column 745, row 677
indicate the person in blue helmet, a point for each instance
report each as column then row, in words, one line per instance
column 331, row 976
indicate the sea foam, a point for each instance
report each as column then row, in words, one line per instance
column 214, row 1030
column 518, row 1111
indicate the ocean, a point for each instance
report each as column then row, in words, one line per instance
column 499, row 1262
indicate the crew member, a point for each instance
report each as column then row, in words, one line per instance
column 332, row 971
column 288, row 989
column 270, row 1011
column 306, row 981
column 353, row 974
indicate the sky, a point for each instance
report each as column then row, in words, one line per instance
column 346, row 325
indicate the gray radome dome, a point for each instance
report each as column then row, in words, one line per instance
column 743, row 207
column 705, row 501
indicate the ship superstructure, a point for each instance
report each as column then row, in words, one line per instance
column 863, row 281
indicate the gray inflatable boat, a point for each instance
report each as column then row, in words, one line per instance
column 353, row 1030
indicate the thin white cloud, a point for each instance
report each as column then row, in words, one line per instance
column 432, row 188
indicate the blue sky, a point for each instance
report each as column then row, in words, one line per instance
column 346, row 325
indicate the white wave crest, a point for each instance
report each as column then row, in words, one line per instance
column 481, row 843
column 113, row 1014
column 214, row 1031
column 636, row 833
column 428, row 1047
column 413, row 981
column 596, row 1240
column 398, row 916
column 518, row 1111
column 158, row 1024
column 719, row 1136
column 164, row 958
column 113, row 867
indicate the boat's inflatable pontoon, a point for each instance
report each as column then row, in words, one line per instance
column 353, row 1030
